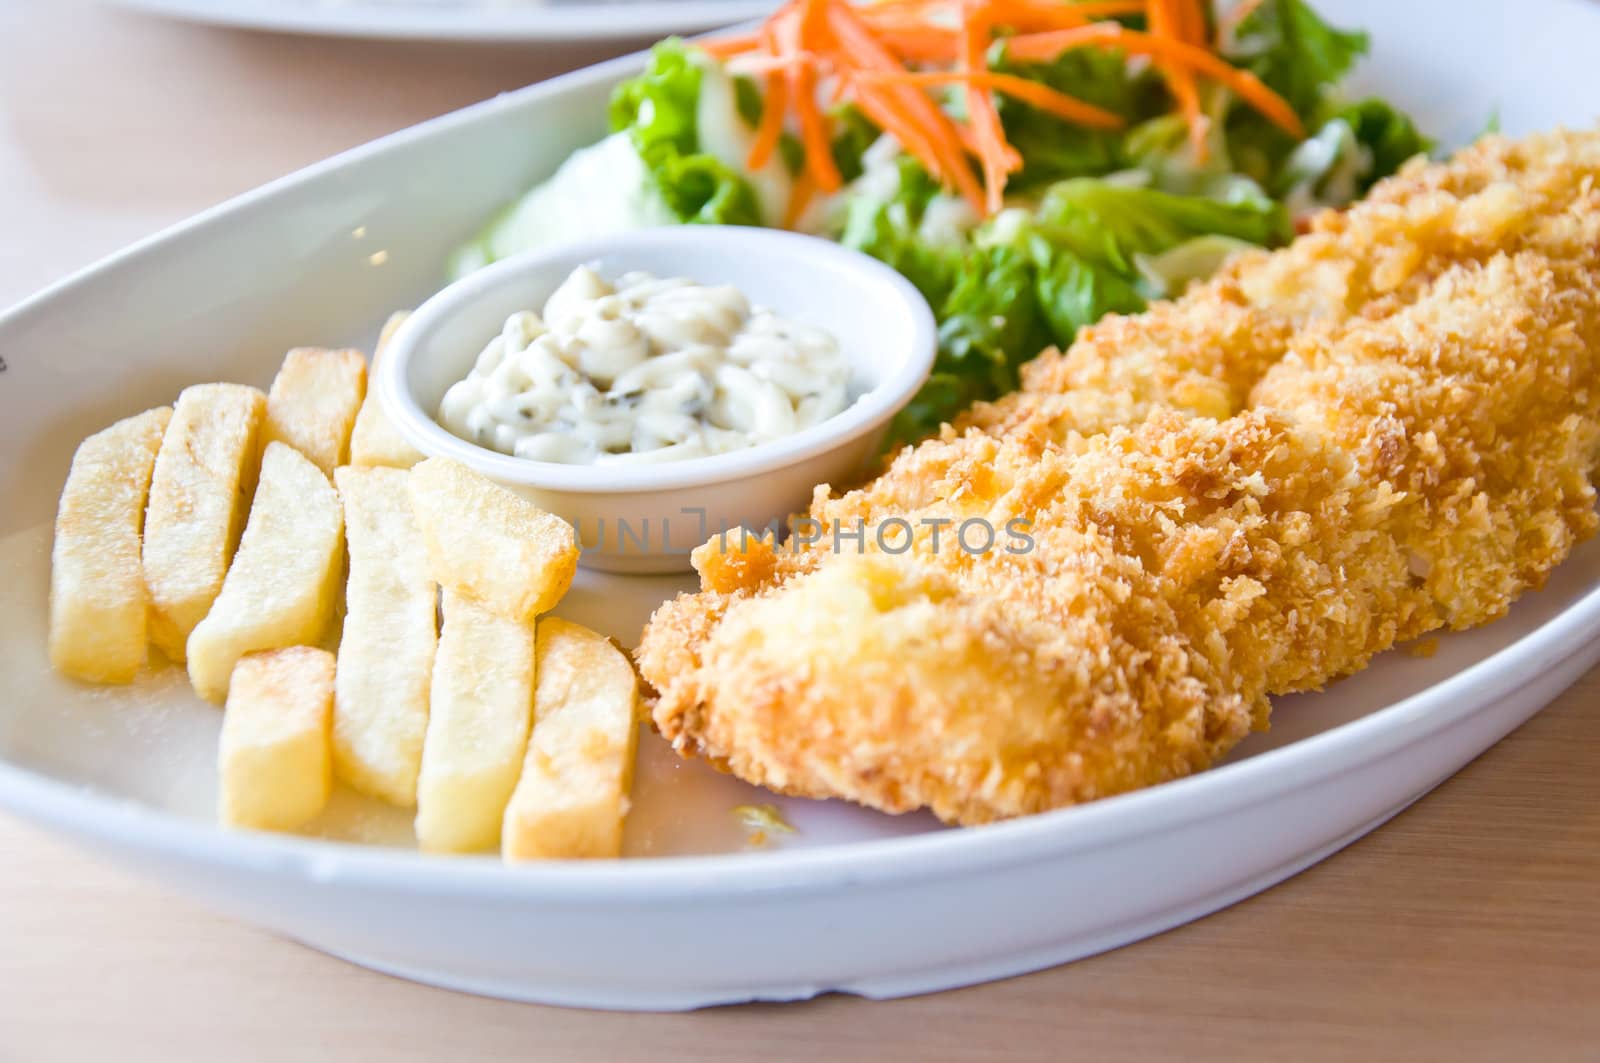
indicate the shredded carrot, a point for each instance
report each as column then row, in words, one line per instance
column 1034, row 15
column 807, row 33
column 926, row 44
column 1192, row 21
column 883, row 55
column 1167, row 20
column 941, row 145
column 997, row 157
column 812, row 27
column 724, row 47
column 1018, row 14
column 1251, row 89
column 878, row 106
column 771, row 127
column 969, row 140
column 762, row 63
column 814, row 131
column 917, row 8
column 799, row 198
column 1035, row 93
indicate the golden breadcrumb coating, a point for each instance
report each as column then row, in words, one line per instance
column 1388, row 427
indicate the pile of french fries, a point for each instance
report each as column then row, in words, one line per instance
column 295, row 554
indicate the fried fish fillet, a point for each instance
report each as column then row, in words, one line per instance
column 1389, row 427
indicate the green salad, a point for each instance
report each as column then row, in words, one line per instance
column 1182, row 164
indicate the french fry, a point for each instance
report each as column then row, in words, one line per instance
column 204, row 476
column 376, row 441
column 573, row 793
column 488, row 544
column 273, row 763
column 313, row 402
column 98, row 603
column 380, row 712
column 478, row 722
column 284, row 581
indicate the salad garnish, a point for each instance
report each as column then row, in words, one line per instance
column 1030, row 165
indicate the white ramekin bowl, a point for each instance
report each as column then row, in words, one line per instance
column 648, row 518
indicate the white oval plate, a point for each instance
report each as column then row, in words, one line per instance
column 484, row 21
column 855, row 901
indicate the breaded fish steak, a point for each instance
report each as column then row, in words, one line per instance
column 1388, row 427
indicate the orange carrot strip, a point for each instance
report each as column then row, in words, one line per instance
column 880, row 107
column 775, row 103
column 1048, row 45
column 1052, row 13
column 926, row 44
column 761, row 63
column 1167, row 20
column 820, row 167
column 723, row 47
column 997, row 157
column 1037, row 15
column 810, row 31
column 799, row 198
column 838, row 91
column 771, row 125
column 939, row 143
column 969, row 140
column 1034, row 93
column 1189, row 22
column 1100, row 8
column 1250, row 88
column 919, row 8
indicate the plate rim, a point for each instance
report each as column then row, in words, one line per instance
column 538, row 21
column 123, row 822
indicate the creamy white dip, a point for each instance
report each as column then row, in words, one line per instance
column 645, row 370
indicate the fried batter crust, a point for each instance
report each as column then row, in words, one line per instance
column 1389, row 427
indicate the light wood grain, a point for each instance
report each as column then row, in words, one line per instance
column 1468, row 928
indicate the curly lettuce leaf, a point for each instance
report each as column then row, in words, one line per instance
column 657, row 109
column 853, row 134
column 1073, row 293
column 888, row 229
column 986, row 321
column 1301, row 58
column 1032, row 278
column 1360, row 145
column 991, row 314
column 1109, row 224
column 1388, row 135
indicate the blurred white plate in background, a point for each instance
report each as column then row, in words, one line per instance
column 465, row 20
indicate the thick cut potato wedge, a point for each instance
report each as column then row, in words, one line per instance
column 488, row 544
column 204, row 476
column 313, row 402
column 284, row 581
column 380, row 712
column 478, row 722
column 376, row 441
column 573, row 793
column 98, row 604
column 273, row 763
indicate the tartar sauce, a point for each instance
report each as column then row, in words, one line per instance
column 645, row 370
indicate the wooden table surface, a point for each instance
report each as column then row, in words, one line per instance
column 1469, row 927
